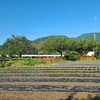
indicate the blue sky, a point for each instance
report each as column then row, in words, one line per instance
column 39, row 18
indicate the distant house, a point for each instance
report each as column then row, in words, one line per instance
column 41, row 56
column 90, row 53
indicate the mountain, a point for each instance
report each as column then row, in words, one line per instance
column 85, row 36
column 51, row 36
column 90, row 36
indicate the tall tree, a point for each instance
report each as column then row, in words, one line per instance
column 17, row 45
column 55, row 44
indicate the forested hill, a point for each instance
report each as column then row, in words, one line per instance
column 86, row 36
column 90, row 36
column 44, row 38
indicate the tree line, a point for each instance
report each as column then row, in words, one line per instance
column 18, row 45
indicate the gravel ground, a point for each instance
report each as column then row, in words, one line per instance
column 72, row 63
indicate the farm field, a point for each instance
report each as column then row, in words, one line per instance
column 60, row 81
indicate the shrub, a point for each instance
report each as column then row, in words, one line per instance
column 2, row 63
column 8, row 63
column 32, row 62
column 71, row 55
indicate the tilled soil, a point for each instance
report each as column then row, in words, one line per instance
column 61, row 81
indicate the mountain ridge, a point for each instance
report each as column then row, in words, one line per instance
column 84, row 35
column 47, row 37
column 90, row 36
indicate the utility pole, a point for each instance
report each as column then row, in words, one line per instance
column 95, row 36
column 95, row 51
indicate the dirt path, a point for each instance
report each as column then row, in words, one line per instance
column 47, row 96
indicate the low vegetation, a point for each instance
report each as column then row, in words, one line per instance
column 5, row 63
column 28, row 62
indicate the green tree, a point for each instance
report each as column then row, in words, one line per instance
column 89, row 44
column 82, row 46
column 97, row 49
column 71, row 55
column 57, row 44
column 17, row 45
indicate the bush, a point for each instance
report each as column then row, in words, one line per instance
column 71, row 55
column 8, row 63
column 5, row 63
column 32, row 62
column 2, row 64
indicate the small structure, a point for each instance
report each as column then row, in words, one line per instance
column 90, row 53
column 41, row 56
